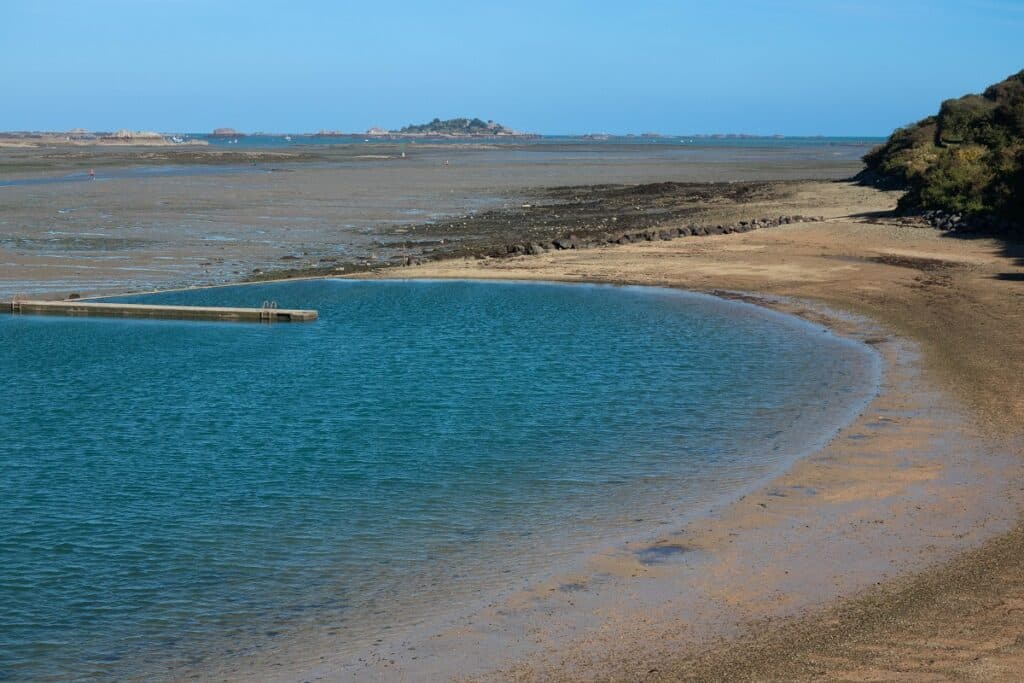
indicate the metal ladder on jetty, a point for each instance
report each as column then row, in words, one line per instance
column 267, row 311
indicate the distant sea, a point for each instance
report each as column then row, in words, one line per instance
column 175, row 494
column 259, row 140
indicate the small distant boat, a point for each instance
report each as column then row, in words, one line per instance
column 177, row 139
column 288, row 138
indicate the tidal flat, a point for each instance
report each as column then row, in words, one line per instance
column 158, row 219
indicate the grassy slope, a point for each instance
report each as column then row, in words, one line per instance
column 968, row 158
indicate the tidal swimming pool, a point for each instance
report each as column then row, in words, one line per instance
column 176, row 492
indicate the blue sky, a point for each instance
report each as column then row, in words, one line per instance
column 856, row 67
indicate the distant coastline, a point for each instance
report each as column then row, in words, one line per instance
column 80, row 137
column 436, row 130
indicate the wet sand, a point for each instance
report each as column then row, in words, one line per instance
column 850, row 565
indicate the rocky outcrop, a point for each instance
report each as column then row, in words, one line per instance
column 573, row 241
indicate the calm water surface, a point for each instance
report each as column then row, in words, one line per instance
column 173, row 493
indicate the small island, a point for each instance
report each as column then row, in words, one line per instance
column 458, row 127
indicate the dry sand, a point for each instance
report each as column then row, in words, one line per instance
column 895, row 553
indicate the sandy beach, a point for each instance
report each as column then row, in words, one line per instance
column 904, row 562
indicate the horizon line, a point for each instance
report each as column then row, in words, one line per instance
column 365, row 133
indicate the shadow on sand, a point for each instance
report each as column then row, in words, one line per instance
column 1009, row 247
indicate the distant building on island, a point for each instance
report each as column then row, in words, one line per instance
column 226, row 133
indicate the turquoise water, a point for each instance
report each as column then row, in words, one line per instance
column 174, row 493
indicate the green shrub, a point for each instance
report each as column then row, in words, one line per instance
column 969, row 158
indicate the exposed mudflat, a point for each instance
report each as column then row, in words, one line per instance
column 156, row 218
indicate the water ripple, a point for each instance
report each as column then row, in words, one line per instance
column 172, row 491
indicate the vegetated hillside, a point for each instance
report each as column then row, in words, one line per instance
column 968, row 159
column 458, row 127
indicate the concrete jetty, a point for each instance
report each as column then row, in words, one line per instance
column 267, row 314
